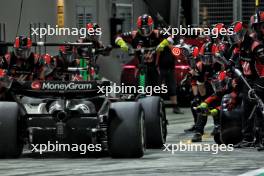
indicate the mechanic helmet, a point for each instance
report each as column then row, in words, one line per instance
column 238, row 34
column 220, row 82
column 257, row 23
column 256, row 19
column 68, row 54
column 217, row 30
column 93, row 28
column 217, row 52
column 145, row 25
column 22, row 47
column 206, row 53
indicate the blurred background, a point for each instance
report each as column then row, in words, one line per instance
column 118, row 15
column 115, row 16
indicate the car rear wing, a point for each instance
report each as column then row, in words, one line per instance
column 58, row 89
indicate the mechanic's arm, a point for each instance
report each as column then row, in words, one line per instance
column 46, row 67
column 204, row 106
column 106, row 50
column 165, row 42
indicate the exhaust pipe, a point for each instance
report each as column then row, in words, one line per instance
column 60, row 125
column 61, row 116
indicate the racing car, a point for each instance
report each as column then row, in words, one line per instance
column 76, row 112
column 108, row 123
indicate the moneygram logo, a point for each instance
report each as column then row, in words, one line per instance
column 36, row 85
column 61, row 86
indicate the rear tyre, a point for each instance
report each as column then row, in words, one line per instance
column 11, row 142
column 230, row 123
column 217, row 138
column 156, row 122
column 126, row 133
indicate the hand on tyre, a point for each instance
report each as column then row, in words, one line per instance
column 203, row 108
column 214, row 112
column 232, row 102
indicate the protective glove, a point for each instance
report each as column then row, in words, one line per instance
column 203, row 108
column 162, row 45
column 203, row 105
column 214, row 112
column 122, row 44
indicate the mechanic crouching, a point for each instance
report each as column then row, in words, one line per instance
column 222, row 84
column 21, row 64
column 200, row 74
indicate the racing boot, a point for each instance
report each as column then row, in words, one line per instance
column 259, row 139
column 197, row 137
column 194, row 103
column 260, row 148
column 190, row 130
column 199, row 128
column 177, row 110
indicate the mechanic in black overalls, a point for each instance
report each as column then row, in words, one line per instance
column 167, row 69
column 21, row 64
column 253, row 69
column 146, row 36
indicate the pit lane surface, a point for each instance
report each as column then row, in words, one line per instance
column 155, row 162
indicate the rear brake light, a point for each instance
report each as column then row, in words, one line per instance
column 2, row 73
column 182, row 67
column 129, row 66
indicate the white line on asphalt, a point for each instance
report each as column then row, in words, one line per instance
column 254, row 172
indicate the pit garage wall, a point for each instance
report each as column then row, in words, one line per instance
column 33, row 11
column 40, row 11
column 45, row 11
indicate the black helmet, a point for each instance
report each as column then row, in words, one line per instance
column 256, row 19
column 94, row 27
column 68, row 54
column 238, row 33
column 206, row 53
column 22, row 47
column 217, row 30
column 145, row 25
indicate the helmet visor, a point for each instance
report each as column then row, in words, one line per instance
column 217, row 85
column 22, row 53
column 146, row 30
column 207, row 59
